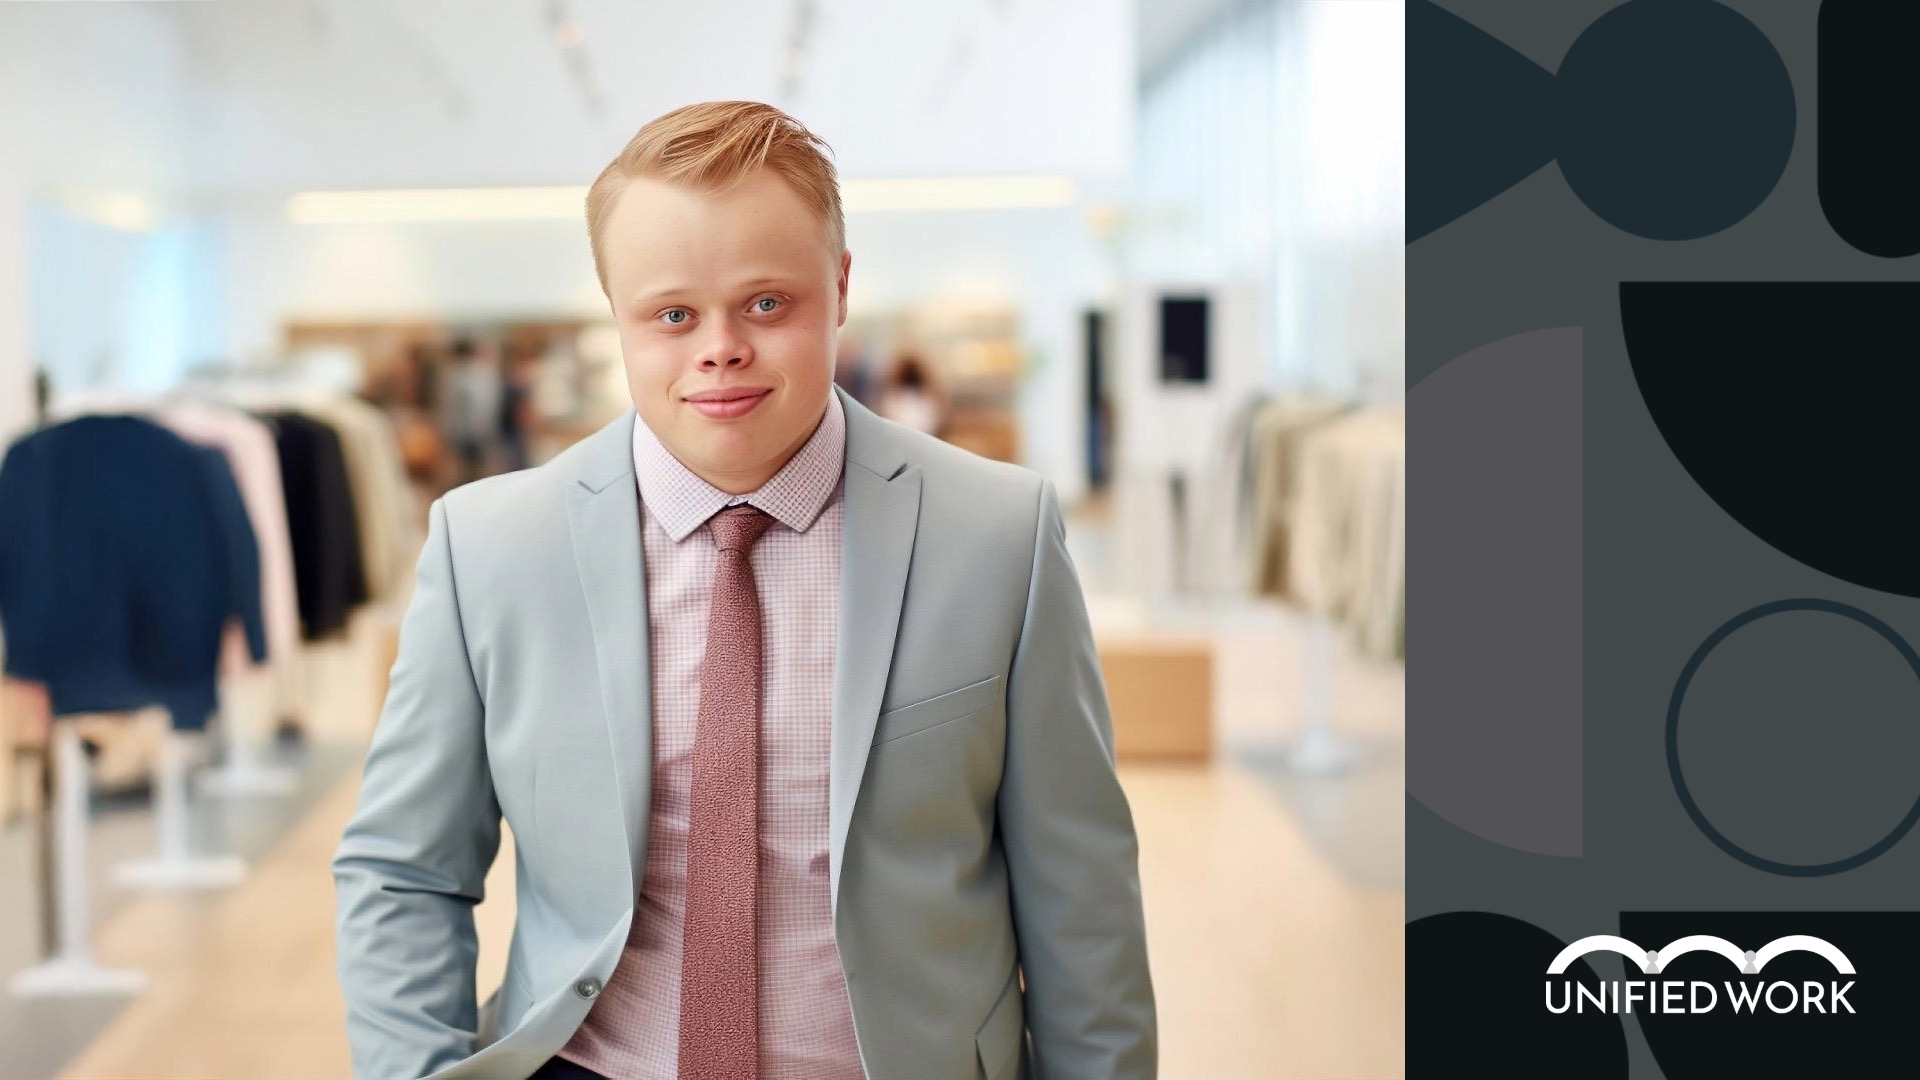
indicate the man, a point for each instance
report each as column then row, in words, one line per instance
column 794, row 713
column 474, row 391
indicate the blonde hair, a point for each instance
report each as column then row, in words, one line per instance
column 712, row 146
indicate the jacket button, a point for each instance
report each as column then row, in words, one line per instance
column 587, row 988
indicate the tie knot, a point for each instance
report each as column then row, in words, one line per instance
column 737, row 527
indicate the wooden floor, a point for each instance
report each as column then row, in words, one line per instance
column 1269, row 958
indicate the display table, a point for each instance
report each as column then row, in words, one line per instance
column 1159, row 683
column 1160, row 690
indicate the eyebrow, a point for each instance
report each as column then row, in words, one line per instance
column 677, row 290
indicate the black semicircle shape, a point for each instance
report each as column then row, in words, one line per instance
column 1475, row 1005
column 1791, row 405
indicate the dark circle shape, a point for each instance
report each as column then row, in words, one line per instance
column 1474, row 1008
column 1832, row 607
column 1676, row 118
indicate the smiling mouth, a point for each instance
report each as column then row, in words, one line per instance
column 725, row 396
column 728, row 404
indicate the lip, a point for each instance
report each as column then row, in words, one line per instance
column 727, row 404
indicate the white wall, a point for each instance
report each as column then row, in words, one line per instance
column 16, row 336
column 270, row 270
column 1342, row 250
column 96, row 99
column 1271, row 151
column 1269, row 174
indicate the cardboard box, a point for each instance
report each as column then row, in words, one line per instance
column 1160, row 691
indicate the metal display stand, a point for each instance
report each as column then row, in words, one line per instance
column 246, row 722
column 69, row 970
column 1319, row 752
column 176, row 867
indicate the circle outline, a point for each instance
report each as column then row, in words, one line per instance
column 1831, row 607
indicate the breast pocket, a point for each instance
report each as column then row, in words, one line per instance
column 955, row 705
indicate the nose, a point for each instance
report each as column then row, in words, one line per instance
column 726, row 350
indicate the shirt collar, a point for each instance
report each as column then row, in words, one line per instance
column 681, row 502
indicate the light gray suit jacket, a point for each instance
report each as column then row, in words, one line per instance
column 978, row 830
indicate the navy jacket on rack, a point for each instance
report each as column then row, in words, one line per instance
column 124, row 550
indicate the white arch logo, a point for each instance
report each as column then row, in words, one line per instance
column 1749, row 963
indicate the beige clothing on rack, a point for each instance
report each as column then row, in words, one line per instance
column 1348, row 555
column 1277, row 434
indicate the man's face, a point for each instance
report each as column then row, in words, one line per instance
column 728, row 305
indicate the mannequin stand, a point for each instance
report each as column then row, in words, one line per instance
column 244, row 719
column 176, row 867
column 1319, row 752
column 70, row 971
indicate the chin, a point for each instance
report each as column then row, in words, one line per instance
column 729, row 447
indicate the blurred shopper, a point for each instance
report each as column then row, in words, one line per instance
column 516, row 408
column 912, row 397
column 851, row 371
column 645, row 657
column 472, row 417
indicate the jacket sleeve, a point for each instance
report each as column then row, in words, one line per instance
column 413, row 861
column 1072, row 855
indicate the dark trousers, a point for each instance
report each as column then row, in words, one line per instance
column 559, row 1068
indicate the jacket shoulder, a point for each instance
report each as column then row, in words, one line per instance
column 524, row 504
column 974, row 496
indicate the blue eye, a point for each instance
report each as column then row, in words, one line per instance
column 766, row 300
column 675, row 311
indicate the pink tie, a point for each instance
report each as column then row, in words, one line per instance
column 719, row 972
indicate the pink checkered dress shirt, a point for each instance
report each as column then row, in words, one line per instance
column 806, row 1019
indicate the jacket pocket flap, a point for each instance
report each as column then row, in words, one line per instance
column 937, row 710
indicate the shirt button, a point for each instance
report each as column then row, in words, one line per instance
column 587, row 988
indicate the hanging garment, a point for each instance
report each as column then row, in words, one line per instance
column 1349, row 548
column 1238, row 450
column 383, row 498
column 124, row 550
column 1279, row 430
column 255, row 461
column 1383, row 630
column 328, row 571
column 250, row 452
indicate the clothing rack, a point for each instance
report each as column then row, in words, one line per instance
column 245, row 719
column 1284, row 477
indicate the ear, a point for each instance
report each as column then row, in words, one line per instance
column 846, row 268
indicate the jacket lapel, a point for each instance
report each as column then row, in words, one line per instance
column 603, row 508
column 880, row 516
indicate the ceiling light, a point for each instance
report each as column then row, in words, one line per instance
column 436, row 204
column 958, row 193
column 118, row 211
column 421, row 205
